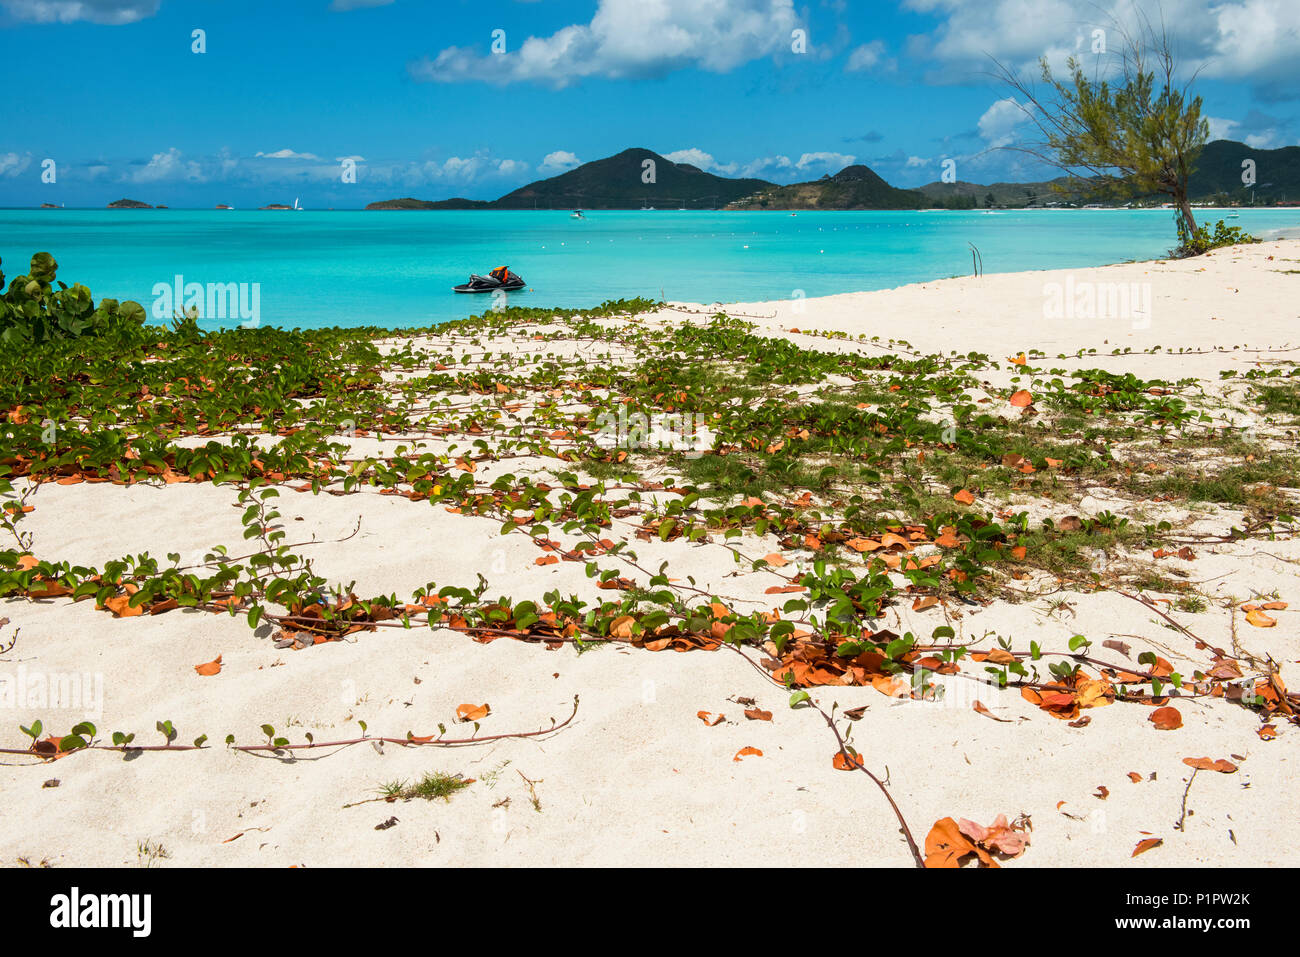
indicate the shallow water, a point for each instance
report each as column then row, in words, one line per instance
column 397, row 268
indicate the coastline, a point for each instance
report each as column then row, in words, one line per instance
column 1193, row 304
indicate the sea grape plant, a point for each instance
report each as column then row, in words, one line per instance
column 33, row 311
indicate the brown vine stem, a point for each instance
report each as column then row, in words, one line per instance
column 856, row 762
column 853, row 762
column 250, row 748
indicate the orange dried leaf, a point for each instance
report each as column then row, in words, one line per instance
column 981, row 709
column 948, row 538
column 945, row 846
column 209, row 668
column 1222, row 765
column 862, row 544
column 1145, row 845
column 472, row 712
column 999, row 837
column 1259, row 619
column 1166, row 719
column 844, row 762
column 889, row 686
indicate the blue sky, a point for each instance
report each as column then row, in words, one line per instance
column 412, row 92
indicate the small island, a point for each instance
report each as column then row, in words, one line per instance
column 409, row 203
column 129, row 204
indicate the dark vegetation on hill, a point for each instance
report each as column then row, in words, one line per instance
column 854, row 187
column 617, row 182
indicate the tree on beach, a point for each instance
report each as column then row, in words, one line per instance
column 1136, row 134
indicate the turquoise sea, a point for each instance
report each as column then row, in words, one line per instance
column 397, row 268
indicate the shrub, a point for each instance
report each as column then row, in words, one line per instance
column 1203, row 241
column 32, row 311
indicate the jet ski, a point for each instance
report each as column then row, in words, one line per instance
column 500, row 278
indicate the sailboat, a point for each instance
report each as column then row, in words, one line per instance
column 295, row 204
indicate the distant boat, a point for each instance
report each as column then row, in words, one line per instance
column 295, row 204
column 577, row 214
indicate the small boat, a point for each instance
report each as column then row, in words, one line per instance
column 500, row 278
column 577, row 214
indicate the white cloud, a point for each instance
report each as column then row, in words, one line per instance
column 513, row 168
column 807, row 166
column 869, row 56
column 286, row 154
column 1251, row 39
column 558, row 162
column 629, row 38
column 114, row 12
column 12, row 164
column 169, row 166
column 702, row 160
column 462, row 170
column 1220, row 129
column 1000, row 121
column 833, row 162
column 1263, row 141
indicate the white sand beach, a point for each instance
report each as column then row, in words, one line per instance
column 637, row 777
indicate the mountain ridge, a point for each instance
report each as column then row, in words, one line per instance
column 620, row 182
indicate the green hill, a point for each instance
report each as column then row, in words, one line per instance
column 617, row 182
column 963, row 195
column 1216, row 176
column 409, row 203
column 854, row 187
column 1218, row 173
